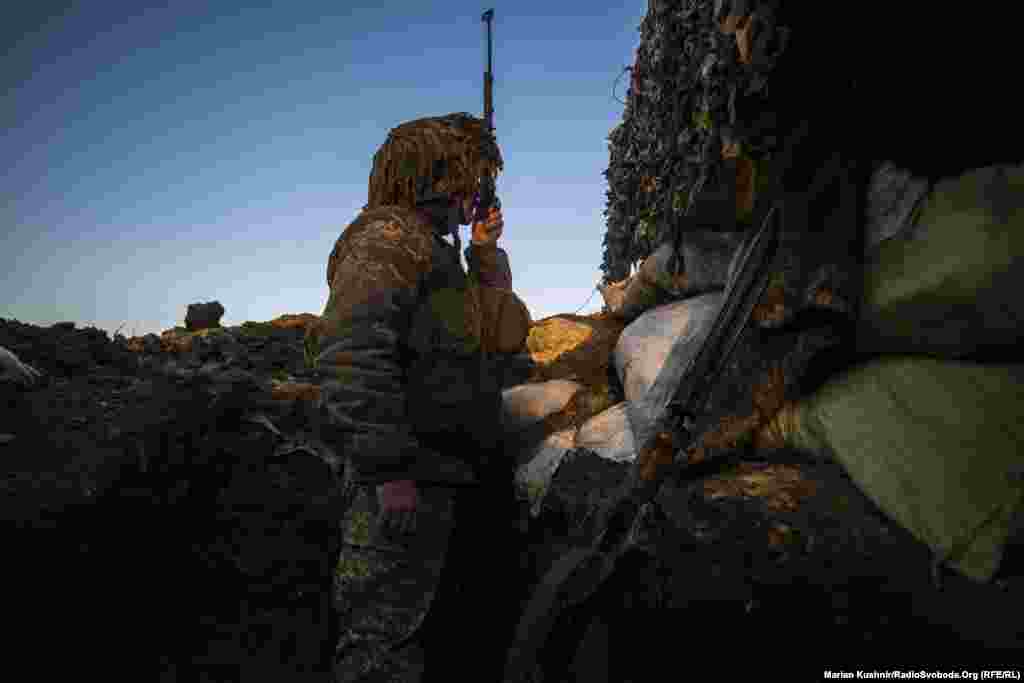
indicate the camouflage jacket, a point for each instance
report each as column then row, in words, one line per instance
column 397, row 352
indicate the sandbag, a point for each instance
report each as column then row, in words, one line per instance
column 651, row 282
column 642, row 351
column 505, row 319
column 609, row 435
column 533, row 477
column 895, row 197
column 950, row 283
column 703, row 266
column 528, row 404
column 933, row 442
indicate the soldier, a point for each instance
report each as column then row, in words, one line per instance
column 416, row 406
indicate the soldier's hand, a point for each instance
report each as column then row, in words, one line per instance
column 398, row 503
column 488, row 232
column 12, row 368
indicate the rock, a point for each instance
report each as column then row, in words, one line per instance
column 203, row 316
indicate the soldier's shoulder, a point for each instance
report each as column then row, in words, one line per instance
column 384, row 233
column 388, row 219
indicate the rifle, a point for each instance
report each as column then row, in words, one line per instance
column 487, row 197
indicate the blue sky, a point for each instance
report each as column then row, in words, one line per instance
column 162, row 155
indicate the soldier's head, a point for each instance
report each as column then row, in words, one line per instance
column 433, row 162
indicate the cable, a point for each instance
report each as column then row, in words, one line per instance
column 586, row 302
column 624, row 70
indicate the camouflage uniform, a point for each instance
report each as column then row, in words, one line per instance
column 404, row 382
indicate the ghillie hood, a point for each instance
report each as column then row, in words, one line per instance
column 431, row 156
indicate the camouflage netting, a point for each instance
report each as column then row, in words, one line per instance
column 681, row 107
column 444, row 147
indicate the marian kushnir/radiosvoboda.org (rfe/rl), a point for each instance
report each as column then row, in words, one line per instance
column 942, row 675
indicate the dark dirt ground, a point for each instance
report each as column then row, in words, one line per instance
column 780, row 567
column 117, row 561
column 124, row 547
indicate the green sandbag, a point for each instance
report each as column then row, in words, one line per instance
column 952, row 287
column 933, row 443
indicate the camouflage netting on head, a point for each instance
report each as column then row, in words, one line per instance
column 446, row 149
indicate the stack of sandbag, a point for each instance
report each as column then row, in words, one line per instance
column 642, row 357
column 567, row 403
column 935, row 443
column 567, row 433
column 931, row 430
column 581, row 468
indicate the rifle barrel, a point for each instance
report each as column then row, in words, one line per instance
column 487, row 17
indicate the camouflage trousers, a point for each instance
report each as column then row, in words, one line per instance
column 385, row 584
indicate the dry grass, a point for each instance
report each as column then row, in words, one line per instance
column 780, row 487
column 732, row 431
column 573, row 347
column 290, row 321
column 287, row 391
column 772, row 307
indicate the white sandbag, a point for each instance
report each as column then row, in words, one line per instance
column 652, row 354
column 527, row 404
column 533, row 478
column 609, row 435
column 703, row 266
column 653, row 279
